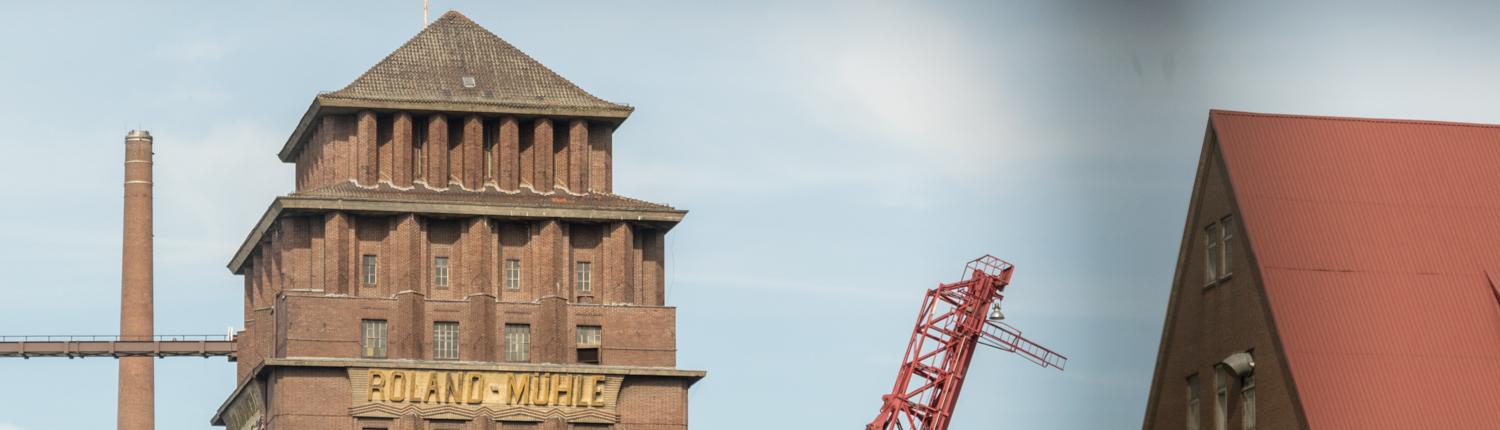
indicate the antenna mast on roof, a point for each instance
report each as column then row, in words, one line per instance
column 424, row 13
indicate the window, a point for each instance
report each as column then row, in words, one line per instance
column 590, row 337
column 445, row 341
column 419, row 142
column 440, row 272
column 1192, row 403
column 1247, row 396
column 370, row 266
column 490, row 134
column 584, row 288
column 1211, row 254
column 1218, row 246
column 518, row 343
column 1226, row 263
column 1221, row 399
column 372, row 338
column 512, row 274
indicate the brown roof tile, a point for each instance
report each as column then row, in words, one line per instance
column 454, row 60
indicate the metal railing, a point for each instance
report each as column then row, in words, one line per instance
column 80, row 346
column 116, row 338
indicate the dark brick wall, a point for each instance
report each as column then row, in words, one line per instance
column 1208, row 322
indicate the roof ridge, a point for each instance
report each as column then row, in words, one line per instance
column 528, row 57
column 519, row 79
column 1222, row 112
column 393, row 52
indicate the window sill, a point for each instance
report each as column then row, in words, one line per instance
column 1221, row 281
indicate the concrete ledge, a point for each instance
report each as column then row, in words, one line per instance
column 694, row 375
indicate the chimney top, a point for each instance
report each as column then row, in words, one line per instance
column 138, row 135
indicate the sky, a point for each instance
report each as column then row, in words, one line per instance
column 837, row 159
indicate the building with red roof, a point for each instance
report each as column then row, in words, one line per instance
column 1336, row 273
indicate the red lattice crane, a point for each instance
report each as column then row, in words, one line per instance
column 954, row 319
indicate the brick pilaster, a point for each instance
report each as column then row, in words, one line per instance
column 482, row 337
column 578, row 155
column 437, row 151
column 367, row 161
column 541, row 147
column 405, row 258
column 338, row 245
column 472, row 173
column 474, row 273
column 654, row 265
column 507, row 152
column 401, row 154
column 618, row 285
column 407, row 328
column 550, row 333
column 600, row 152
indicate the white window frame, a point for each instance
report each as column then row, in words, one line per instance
column 440, row 269
column 590, row 336
column 518, row 343
column 419, row 150
column 445, row 340
column 1194, row 420
column 1226, row 245
column 1221, row 398
column 371, row 266
column 373, row 334
column 584, row 277
column 1211, row 253
column 1247, row 398
column 513, row 274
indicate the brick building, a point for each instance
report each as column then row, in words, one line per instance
column 1335, row 273
column 454, row 257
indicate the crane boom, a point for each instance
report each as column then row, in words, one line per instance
column 950, row 325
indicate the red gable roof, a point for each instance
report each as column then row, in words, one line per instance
column 1378, row 242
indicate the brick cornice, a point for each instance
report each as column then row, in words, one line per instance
column 327, row 104
column 281, row 205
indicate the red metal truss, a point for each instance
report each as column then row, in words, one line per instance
column 953, row 320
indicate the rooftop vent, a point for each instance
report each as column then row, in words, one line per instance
column 468, row 82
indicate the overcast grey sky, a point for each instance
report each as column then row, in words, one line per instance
column 838, row 159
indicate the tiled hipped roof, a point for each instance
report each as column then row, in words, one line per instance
column 433, row 67
column 1379, row 254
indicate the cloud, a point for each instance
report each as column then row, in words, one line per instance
column 9, row 426
column 908, row 79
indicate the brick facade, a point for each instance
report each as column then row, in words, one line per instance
column 1209, row 321
column 547, row 205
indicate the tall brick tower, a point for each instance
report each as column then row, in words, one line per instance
column 454, row 257
column 137, row 392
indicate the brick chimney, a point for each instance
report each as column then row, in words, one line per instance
column 137, row 380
